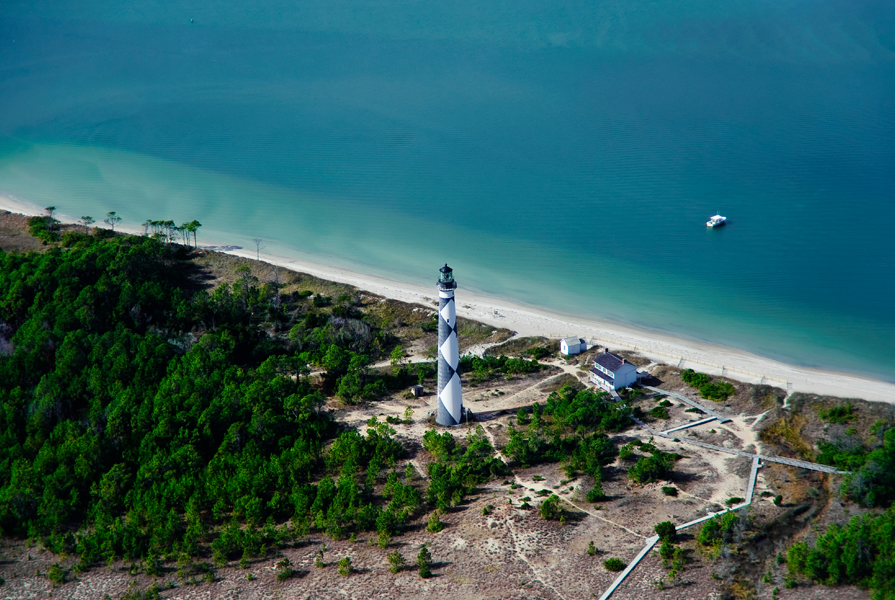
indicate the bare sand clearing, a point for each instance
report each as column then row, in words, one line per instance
column 527, row 320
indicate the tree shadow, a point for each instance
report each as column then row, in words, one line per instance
column 678, row 477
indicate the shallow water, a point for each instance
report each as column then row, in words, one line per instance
column 565, row 157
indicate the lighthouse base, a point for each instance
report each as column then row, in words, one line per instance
column 445, row 419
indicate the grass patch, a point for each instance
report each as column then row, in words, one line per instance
column 786, row 432
column 536, row 346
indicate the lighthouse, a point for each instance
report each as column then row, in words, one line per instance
column 450, row 396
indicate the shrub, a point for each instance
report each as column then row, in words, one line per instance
column 284, row 574
column 152, row 592
column 487, row 510
column 659, row 412
column 424, row 562
column 712, row 391
column 596, row 493
column 383, row 539
column 345, row 567
column 652, row 468
column 719, row 529
column 395, row 561
column 694, row 379
column 778, row 499
column 839, row 414
column 614, row 564
column 719, row 392
column 550, row 508
column 591, row 549
column 666, row 551
column 56, row 575
column 669, row 490
column 435, row 524
column 734, row 500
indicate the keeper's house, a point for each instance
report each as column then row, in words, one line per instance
column 612, row 372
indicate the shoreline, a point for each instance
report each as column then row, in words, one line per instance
column 530, row 321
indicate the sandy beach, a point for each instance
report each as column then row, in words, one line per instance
column 527, row 321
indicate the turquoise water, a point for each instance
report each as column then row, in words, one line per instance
column 558, row 154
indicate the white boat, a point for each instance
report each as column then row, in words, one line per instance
column 716, row 221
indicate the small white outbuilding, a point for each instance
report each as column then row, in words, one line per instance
column 572, row 345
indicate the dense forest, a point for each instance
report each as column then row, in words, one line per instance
column 145, row 417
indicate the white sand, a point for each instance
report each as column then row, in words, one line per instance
column 662, row 348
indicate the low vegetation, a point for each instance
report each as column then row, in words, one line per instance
column 560, row 433
column 614, row 564
column 719, row 392
column 721, row 529
column 872, row 481
column 655, row 467
column 458, row 467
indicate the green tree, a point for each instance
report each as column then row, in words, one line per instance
column 112, row 219
column 397, row 358
column 86, row 222
column 614, row 564
column 396, row 561
column 424, row 562
column 345, row 567
column 435, row 524
column 551, row 509
column 665, row 530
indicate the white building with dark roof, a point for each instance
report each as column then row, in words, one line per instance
column 612, row 372
column 572, row 345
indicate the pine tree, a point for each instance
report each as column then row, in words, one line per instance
column 424, row 561
column 396, row 561
column 435, row 524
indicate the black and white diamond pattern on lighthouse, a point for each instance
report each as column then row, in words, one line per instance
column 450, row 397
column 450, row 350
column 448, row 313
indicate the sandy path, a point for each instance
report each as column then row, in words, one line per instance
column 527, row 320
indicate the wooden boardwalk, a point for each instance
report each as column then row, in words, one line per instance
column 721, row 418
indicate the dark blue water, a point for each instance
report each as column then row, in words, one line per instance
column 565, row 156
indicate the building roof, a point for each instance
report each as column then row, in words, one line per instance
column 571, row 340
column 610, row 361
column 602, row 375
